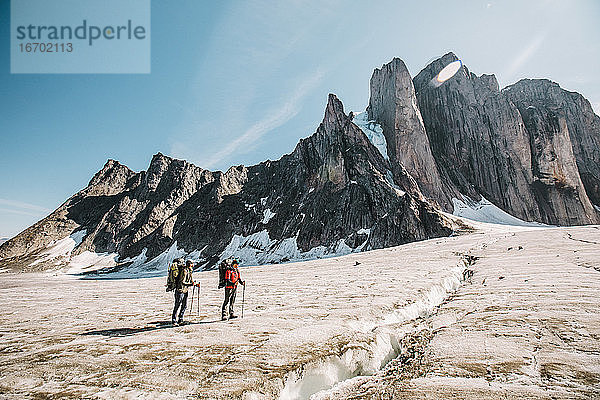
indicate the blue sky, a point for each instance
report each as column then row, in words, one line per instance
column 242, row 81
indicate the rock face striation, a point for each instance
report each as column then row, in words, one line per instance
column 394, row 105
column 531, row 149
column 565, row 133
column 333, row 194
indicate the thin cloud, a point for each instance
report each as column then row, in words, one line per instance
column 20, row 212
column 19, row 207
column 273, row 120
column 525, row 55
column 211, row 130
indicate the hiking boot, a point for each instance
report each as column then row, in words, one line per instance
column 174, row 323
column 181, row 322
column 232, row 316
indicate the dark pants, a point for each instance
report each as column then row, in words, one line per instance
column 229, row 298
column 180, row 300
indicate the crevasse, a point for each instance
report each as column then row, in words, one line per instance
column 313, row 380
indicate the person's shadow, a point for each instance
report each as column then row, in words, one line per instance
column 152, row 326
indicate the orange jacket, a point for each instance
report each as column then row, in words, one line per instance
column 232, row 277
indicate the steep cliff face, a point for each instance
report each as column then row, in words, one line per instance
column 489, row 146
column 333, row 194
column 394, row 105
column 541, row 96
column 477, row 137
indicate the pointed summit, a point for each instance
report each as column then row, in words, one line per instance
column 423, row 78
column 111, row 179
column 335, row 117
column 393, row 105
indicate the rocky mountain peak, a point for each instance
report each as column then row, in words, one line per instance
column 532, row 149
column 433, row 68
column 393, row 104
column 111, row 179
column 334, row 114
column 494, row 144
column 544, row 106
column 545, row 93
column 231, row 182
column 474, row 89
column 158, row 166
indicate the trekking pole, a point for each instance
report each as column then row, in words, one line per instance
column 192, row 305
column 198, row 298
column 243, row 297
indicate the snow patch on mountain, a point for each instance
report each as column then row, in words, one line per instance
column 258, row 249
column 485, row 211
column 157, row 266
column 137, row 261
column 89, row 261
column 267, row 215
column 255, row 249
column 373, row 131
column 196, row 255
column 58, row 250
column 139, row 266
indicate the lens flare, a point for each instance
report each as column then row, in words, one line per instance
column 448, row 72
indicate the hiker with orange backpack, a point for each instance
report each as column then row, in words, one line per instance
column 232, row 278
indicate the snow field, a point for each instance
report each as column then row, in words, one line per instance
column 368, row 359
column 313, row 381
column 82, row 337
column 323, row 328
column 527, row 326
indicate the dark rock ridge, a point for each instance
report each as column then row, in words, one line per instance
column 334, row 192
column 531, row 149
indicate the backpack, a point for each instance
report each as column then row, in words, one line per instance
column 172, row 276
column 224, row 266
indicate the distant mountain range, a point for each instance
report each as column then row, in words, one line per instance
column 2, row 240
column 380, row 178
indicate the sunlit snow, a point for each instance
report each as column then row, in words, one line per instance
column 88, row 261
column 373, row 131
column 267, row 215
column 486, row 211
column 58, row 250
column 258, row 248
column 324, row 329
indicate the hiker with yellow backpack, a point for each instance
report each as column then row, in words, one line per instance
column 180, row 280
